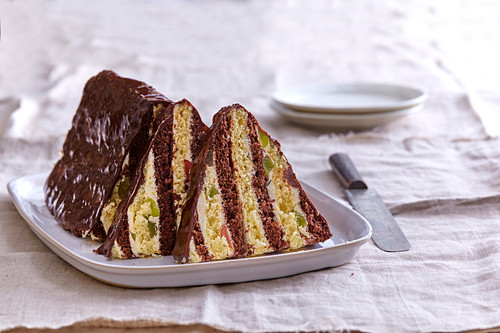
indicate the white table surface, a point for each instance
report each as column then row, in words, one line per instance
column 437, row 170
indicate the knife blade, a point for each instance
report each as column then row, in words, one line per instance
column 387, row 234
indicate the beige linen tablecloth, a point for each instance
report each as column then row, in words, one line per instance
column 438, row 170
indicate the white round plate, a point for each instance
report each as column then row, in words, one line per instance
column 350, row 98
column 343, row 121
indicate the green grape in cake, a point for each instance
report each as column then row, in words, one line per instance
column 268, row 164
column 301, row 220
column 123, row 187
column 212, row 191
column 155, row 212
column 263, row 138
column 153, row 229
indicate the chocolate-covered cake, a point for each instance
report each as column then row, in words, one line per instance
column 244, row 199
column 110, row 133
column 146, row 176
column 146, row 220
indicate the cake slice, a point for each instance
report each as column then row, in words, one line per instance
column 145, row 221
column 110, row 132
column 244, row 199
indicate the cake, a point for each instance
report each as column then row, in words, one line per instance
column 244, row 198
column 145, row 222
column 147, row 177
column 110, row 133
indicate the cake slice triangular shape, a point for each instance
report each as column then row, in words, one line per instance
column 110, row 131
column 146, row 220
column 244, row 198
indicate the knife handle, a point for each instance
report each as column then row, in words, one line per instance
column 346, row 172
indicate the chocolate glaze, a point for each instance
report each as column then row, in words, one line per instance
column 198, row 130
column 111, row 121
column 189, row 220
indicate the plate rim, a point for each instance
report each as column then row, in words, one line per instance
column 169, row 268
column 282, row 109
column 422, row 95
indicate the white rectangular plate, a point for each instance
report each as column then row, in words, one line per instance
column 350, row 230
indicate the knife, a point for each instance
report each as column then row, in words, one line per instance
column 386, row 233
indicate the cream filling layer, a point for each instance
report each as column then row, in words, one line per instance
column 211, row 217
column 193, row 255
column 116, row 251
column 143, row 215
column 109, row 209
column 255, row 238
column 119, row 190
column 286, row 201
column 182, row 151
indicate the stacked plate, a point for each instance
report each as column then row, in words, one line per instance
column 348, row 106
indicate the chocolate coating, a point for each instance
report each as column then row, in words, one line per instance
column 113, row 118
column 189, row 220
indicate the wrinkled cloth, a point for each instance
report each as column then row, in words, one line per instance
column 437, row 170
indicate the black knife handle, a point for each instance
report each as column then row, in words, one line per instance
column 346, row 171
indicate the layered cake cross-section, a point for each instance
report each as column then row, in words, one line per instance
column 147, row 177
column 244, row 198
column 146, row 220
